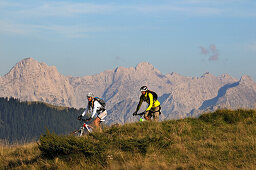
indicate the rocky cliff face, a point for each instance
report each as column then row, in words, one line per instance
column 33, row 81
column 179, row 96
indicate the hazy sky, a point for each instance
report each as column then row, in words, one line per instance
column 84, row 37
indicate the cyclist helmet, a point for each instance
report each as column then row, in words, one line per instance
column 144, row 88
column 90, row 95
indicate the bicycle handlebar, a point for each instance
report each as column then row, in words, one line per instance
column 85, row 120
column 140, row 114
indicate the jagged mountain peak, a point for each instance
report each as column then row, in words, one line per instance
column 146, row 67
column 174, row 74
column 30, row 80
column 245, row 79
column 226, row 76
column 28, row 63
column 123, row 69
column 29, row 66
column 207, row 74
column 29, row 60
column 144, row 64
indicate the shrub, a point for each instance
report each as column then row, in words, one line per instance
column 52, row 145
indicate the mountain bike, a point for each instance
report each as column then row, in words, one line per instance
column 150, row 115
column 141, row 116
column 84, row 129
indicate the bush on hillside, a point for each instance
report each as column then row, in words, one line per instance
column 52, row 145
column 96, row 145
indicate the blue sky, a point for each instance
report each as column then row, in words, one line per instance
column 86, row 37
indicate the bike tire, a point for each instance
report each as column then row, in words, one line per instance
column 76, row 133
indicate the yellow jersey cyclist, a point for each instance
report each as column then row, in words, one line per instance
column 153, row 109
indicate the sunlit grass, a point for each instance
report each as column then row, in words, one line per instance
column 224, row 139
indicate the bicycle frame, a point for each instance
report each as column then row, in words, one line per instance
column 88, row 127
column 141, row 117
column 84, row 129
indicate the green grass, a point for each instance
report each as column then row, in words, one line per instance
column 225, row 139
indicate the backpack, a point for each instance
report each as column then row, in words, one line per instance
column 101, row 101
column 154, row 94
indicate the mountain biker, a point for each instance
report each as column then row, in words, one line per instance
column 94, row 107
column 153, row 109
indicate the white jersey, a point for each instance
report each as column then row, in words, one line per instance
column 98, row 108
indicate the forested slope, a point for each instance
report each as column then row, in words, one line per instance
column 26, row 121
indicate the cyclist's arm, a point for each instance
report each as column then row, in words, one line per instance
column 139, row 105
column 86, row 110
column 151, row 100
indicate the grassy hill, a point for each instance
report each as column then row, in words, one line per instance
column 225, row 139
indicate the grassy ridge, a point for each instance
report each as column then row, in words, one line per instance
column 224, row 139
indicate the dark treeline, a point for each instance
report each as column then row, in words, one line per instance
column 26, row 121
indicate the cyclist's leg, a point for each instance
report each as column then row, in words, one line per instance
column 148, row 115
column 99, row 118
column 96, row 122
column 156, row 112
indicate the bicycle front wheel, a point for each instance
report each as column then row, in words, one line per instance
column 77, row 133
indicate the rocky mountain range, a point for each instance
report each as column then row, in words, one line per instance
column 180, row 96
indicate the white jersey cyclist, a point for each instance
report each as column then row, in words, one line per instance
column 94, row 107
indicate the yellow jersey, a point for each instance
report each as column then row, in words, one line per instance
column 148, row 97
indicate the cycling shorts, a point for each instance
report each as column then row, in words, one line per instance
column 102, row 115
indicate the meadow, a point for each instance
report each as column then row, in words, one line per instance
column 224, row 139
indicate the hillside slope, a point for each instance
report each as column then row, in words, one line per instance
column 26, row 121
column 224, row 139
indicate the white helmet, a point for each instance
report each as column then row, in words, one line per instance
column 144, row 88
column 90, row 95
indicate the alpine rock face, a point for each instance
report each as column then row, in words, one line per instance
column 180, row 96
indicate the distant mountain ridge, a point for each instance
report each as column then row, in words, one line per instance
column 180, row 96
